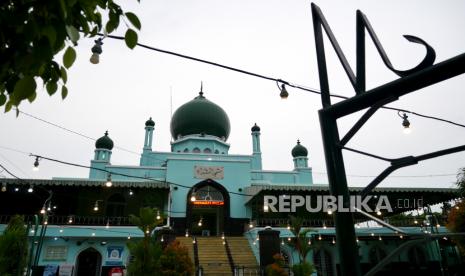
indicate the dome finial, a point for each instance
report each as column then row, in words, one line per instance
column 106, row 133
column 201, row 89
column 298, row 141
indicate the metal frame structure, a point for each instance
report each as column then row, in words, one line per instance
column 423, row 75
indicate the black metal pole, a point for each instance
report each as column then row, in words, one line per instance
column 346, row 240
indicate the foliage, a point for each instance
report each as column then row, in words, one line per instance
column 456, row 223
column 34, row 32
column 175, row 261
column 146, row 252
column 276, row 268
column 13, row 248
column 302, row 269
column 456, row 216
column 300, row 241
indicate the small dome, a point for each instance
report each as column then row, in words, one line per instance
column 104, row 142
column 150, row 122
column 299, row 150
column 255, row 128
column 200, row 116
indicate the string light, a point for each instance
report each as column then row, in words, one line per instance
column 193, row 240
column 55, row 238
column 70, row 219
column 334, row 241
column 42, row 211
column 330, row 212
column 96, row 51
column 162, row 240
column 401, row 236
column 36, row 164
column 324, row 226
column 288, row 227
column 309, row 242
column 265, row 208
column 193, row 197
column 158, row 215
column 93, row 234
column 372, row 234
column 224, row 242
column 108, row 224
column 131, row 192
column 378, row 212
column 108, row 183
column 319, row 237
column 289, row 239
column 200, row 222
column 222, row 236
column 96, row 207
column 379, row 238
column 282, row 241
column 283, row 94
column 250, row 224
column 61, row 229
column 17, row 190
column 405, row 122
column 187, row 233
column 129, row 237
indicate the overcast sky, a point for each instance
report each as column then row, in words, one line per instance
column 274, row 38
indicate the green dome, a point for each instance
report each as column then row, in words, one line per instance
column 150, row 122
column 200, row 116
column 299, row 150
column 255, row 128
column 104, row 142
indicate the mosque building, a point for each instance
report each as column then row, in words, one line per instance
column 205, row 194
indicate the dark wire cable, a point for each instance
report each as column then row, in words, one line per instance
column 297, row 86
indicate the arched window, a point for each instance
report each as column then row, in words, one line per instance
column 186, row 150
column 286, row 256
column 116, row 205
column 217, row 151
column 417, row 257
column 323, row 263
column 207, row 150
column 196, row 150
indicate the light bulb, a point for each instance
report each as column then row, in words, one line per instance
column 158, row 215
column 129, row 237
column 162, row 240
column 324, row 226
column 265, row 208
column 330, row 212
column 282, row 242
column 251, row 225
column 95, row 208
column 131, row 192
column 407, row 130
column 4, row 187
column 107, row 225
column 109, row 183
column 378, row 213
column 334, row 241
column 319, row 237
column 193, row 198
column 61, row 230
column 93, row 234
column 187, row 234
column 283, row 94
column 95, row 59
column 288, row 239
column 42, row 211
column 36, row 165
column 193, row 240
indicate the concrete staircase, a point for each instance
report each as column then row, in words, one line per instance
column 242, row 254
column 213, row 257
column 187, row 242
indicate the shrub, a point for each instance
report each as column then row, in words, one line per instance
column 276, row 268
column 175, row 261
column 302, row 269
column 13, row 248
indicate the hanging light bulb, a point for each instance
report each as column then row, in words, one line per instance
column 309, row 242
column 224, row 243
column 438, row 225
column 334, row 241
column 96, row 51
column 17, row 190
column 257, row 238
column 31, row 189
column 283, row 94
column 415, row 221
column 187, row 233
column 108, row 224
column 36, row 164
column 265, row 208
column 46, row 222
column 378, row 212
column 222, row 236
column 42, row 211
column 330, row 212
column 131, row 192
column 109, row 183
column 289, row 239
column 193, row 240
column 379, row 238
column 282, row 241
column 61, row 229
column 129, row 237
column 401, row 236
column 324, row 226
column 193, row 197
column 319, row 237
column 147, row 231
column 96, row 206
column 162, row 240
column 254, row 243
column 200, row 222
column 405, row 122
column 3, row 187
column 372, row 234
column 93, row 234
column 70, row 219
column 158, row 215
column 357, row 239
column 288, row 227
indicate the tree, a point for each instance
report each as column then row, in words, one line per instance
column 33, row 32
column 300, row 243
column 175, row 261
column 276, row 268
column 13, row 248
column 456, row 217
column 147, row 251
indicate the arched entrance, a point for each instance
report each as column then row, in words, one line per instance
column 88, row 263
column 208, row 214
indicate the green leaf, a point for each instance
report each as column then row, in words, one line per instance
column 51, row 34
column 32, row 97
column 24, row 88
column 2, row 99
column 64, row 92
column 51, row 87
column 8, row 106
column 133, row 19
column 130, row 38
column 110, row 26
column 64, row 74
column 69, row 57
column 73, row 33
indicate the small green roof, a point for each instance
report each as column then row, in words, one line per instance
column 299, row 150
column 104, row 142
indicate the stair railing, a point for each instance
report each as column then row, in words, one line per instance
column 228, row 252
